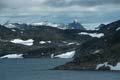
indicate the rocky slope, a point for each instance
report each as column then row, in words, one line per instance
column 35, row 41
column 75, row 25
column 98, row 53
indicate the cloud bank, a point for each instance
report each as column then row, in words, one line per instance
column 86, row 11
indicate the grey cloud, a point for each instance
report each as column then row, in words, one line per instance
column 54, row 3
column 87, row 3
column 2, row 5
column 85, row 10
column 20, row 3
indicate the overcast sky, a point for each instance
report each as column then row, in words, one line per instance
column 86, row 11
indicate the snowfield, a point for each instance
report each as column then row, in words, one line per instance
column 117, row 67
column 28, row 42
column 98, row 35
column 43, row 42
column 12, row 56
column 66, row 55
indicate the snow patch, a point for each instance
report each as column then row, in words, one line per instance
column 118, row 29
column 12, row 56
column 43, row 42
column 70, row 43
column 98, row 35
column 96, row 51
column 117, row 67
column 49, row 42
column 66, row 55
column 45, row 23
column 28, row 42
column 101, row 65
column 10, row 26
column 52, row 56
column 13, row 30
column 21, row 32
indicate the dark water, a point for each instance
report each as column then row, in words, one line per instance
column 37, row 69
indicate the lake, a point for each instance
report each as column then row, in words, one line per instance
column 38, row 69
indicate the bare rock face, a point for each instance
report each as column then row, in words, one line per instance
column 75, row 25
column 54, row 40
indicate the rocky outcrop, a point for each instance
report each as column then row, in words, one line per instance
column 45, row 40
column 98, row 53
column 75, row 25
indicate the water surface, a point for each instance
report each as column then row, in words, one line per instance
column 37, row 69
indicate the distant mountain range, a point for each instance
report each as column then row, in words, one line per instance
column 74, row 25
column 36, row 39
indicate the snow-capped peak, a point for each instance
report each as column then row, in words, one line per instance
column 10, row 25
column 46, row 24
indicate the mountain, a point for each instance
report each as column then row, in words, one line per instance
column 92, row 49
column 100, row 26
column 98, row 53
column 23, row 26
column 34, row 40
column 6, row 33
column 75, row 25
